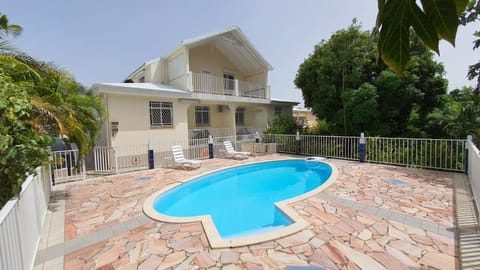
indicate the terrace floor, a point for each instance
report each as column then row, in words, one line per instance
column 371, row 217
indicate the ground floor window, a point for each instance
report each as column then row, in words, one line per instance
column 277, row 111
column 161, row 114
column 202, row 115
column 240, row 116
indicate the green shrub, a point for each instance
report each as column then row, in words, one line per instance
column 21, row 148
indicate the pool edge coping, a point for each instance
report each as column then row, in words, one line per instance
column 214, row 238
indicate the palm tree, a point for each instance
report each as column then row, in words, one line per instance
column 61, row 106
column 6, row 30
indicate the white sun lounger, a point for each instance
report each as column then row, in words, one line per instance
column 179, row 159
column 234, row 154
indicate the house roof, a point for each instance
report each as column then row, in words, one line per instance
column 234, row 45
column 283, row 102
column 296, row 109
column 142, row 89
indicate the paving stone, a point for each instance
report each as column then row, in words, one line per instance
column 321, row 259
column 248, row 258
column 373, row 245
column 334, row 254
column 229, row 257
column 296, row 239
column 330, row 209
column 189, row 244
column 111, row 255
column 231, row 267
column 395, row 233
column 204, row 260
column 317, row 242
column 172, row 260
column 151, row 262
column 360, row 259
column 399, row 255
column 388, row 261
column 438, row 261
column 302, row 249
column 365, row 235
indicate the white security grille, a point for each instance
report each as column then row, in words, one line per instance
column 161, row 113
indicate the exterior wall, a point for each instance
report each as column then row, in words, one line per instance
column 133, row 115
column 286, row 110
column 255, row 116
column 208, row 58
column 180, row 79
column 154, row 72
column 218, row 119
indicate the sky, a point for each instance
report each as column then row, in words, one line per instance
column 105, row 40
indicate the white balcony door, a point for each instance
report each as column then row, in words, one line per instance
column 228, row 83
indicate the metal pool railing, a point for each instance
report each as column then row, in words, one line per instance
column 440, row 154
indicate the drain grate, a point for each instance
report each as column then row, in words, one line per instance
column 397, row 182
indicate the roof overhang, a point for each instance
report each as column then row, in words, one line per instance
column 141, row 89
column 235, row 46
column 284, row 102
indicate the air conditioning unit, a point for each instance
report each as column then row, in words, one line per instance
column 223, row 108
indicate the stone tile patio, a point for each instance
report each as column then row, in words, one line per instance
column 372, row 217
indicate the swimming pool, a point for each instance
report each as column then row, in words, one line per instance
column 243, row 201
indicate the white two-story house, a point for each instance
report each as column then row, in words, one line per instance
column 215, row 84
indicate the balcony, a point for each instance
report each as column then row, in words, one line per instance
column 213, row 85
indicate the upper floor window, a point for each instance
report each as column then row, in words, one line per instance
column 277, row 111
column 202, row 115
column 161, row 114
column 141, row 79
column 240, row 116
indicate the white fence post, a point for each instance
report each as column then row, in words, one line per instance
column 116, row 160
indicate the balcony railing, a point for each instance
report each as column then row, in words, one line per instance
column 209, row 84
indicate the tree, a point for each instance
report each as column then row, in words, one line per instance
column 336, row 66
column 353, row 93
column 282, row 124
column 470, row 15
column 7, row 29
column 61, row 106
column 431, row 21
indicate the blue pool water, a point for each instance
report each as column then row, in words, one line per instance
column 241, row 200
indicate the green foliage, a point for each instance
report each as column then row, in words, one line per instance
column 61, row 106
column 362, row 108
column 38, row 101
column 21, row 148
column 321, row 128
column 458, row 117
column 6, row 30
column 282, row 124
column 341, row 64
column 432, row 21
column 354, row 94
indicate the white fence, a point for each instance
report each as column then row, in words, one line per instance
column 66, row 166
column 440, row 154
column 473, row 170
column 135, row 157
column 21, row 221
